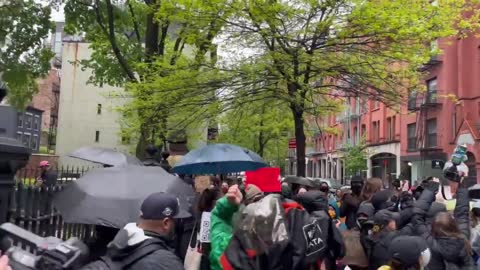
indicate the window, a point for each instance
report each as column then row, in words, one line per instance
column 99, row 109
column 19, row 136
column 391, row 128
column 376, row 132
column 34, row 142
column 431, row 91
column 376, row 104
column 363, row 105
column 26, row 139
column 432, row 133
column 411, row 136
column 36, row 122
column 97, row 136
column 20, row 119
column 355, row 135
column 28, row 120
column 363, row 132
column 412, row 99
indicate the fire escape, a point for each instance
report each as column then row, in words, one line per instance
column 52, row 132
column 426, row 143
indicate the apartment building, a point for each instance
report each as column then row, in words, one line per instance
column 413, row 141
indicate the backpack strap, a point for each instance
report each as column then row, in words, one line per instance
column 144, row 250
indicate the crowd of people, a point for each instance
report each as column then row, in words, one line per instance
column 232, row 225
column 365, row 227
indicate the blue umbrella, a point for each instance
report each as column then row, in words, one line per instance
column 219, row 158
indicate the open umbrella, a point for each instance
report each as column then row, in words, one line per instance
column 218, row 159
column 299, row 180
column 104, row 156
column 112, row 196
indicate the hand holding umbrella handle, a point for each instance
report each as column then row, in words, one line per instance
column 234, row 195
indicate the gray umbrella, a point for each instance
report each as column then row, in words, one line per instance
column 104, row 156
column 112, row 196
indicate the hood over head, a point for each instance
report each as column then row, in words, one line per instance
column 129, row 238
column 381, row 200
column 313, row 200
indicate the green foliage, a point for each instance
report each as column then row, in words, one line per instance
column 261, row 126
column 355, row 157
column 161, row 53
column 23, row 27
column 318, row 51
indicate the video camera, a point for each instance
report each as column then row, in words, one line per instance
column 29, row 251
column 455, row 169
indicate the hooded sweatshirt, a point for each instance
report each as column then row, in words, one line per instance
column 132, row 239
column 448, row 253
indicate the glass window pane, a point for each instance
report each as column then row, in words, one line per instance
column 34, row 143
column 20, row 119
column 28, row 120
column 26, row 139
column 36, row 122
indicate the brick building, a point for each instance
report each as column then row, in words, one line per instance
column 413, row 142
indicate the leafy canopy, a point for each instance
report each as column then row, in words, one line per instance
column 23, row 58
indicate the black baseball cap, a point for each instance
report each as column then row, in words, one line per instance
column 407, row 249
column 161, row 205
column 383, row 217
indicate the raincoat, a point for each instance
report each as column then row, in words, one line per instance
column 221, row 230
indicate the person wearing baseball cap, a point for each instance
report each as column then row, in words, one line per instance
column 408, row 252
column 146, row 244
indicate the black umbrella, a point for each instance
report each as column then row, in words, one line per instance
column 105, row 156
column 112, row 196
column 299, row 180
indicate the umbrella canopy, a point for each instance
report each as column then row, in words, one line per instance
column 299, row 180
column 112, row 196
column 104, row 156
column 219, row 158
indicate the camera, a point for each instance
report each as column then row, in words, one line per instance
column 29, row 251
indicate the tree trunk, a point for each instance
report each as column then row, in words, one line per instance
column 300, row 139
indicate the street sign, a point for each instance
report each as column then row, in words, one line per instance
column 292, row 143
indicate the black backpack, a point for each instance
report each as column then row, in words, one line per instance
column 106, row 262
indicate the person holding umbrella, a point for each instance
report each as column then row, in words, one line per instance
column 146, row 244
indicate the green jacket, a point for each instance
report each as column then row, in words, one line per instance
column 221, row 230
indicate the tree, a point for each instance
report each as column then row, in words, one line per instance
column 316, row 51
column 155, row 50
column 355, row 157
column 261, row 126
column 23, row 58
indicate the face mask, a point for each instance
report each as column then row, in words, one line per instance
column 425, row 258
column 332, row 213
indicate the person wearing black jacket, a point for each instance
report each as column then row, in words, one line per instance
column 351, row 202
column 316, row 204
column 383, row 232
column 449, row 236
column 148, row 244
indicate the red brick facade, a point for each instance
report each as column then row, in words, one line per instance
column 407, row 143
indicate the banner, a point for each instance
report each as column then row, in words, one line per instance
column 267, row 179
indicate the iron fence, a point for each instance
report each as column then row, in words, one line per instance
column 31, row 206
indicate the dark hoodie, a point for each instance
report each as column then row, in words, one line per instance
column 448, row 253
column 130, row 240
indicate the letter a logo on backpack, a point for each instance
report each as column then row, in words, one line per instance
column 313, row 237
